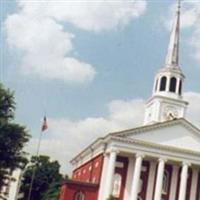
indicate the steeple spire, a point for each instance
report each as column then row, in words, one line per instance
column 172, row 58
column 167, row 101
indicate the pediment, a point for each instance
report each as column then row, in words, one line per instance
column 178, row 133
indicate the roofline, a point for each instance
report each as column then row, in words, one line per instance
column 89, row 148
column 120, row 134
column 156, row 125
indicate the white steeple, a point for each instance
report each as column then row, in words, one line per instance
column 167, row 102
column 172, row 58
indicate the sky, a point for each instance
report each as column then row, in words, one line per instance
column 89, row 66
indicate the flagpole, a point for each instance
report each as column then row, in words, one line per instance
column 34, row 169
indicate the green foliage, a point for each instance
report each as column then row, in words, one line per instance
column 52, row 193
column 12, row 137
column 47, row 179
column 7, row 104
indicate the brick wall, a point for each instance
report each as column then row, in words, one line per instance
column 70, row 188
column 90, row 171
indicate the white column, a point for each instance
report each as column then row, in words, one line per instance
column 183, row 184
column 174, row 182
column 110, row 173
column 177, row 85
column 136, row 177
column 127, row 192
column 151, row 180
column 168, row 83
column 159, row 179
column 195, row 175
column 103, row 176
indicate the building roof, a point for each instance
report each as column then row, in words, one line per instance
column 158, row 125
column 123, row 137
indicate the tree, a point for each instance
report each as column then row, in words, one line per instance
column 46, row 181
column 12, row 137
column 53, row 192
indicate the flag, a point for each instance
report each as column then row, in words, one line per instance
column 44, row 125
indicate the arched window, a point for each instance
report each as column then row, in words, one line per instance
column 163, row 83
column 79, row 196
column 172, row 87
column 117, row 185
column 180, row 88
column 165, row 182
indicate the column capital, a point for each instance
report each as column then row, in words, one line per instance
column 137, row 155
column 113, row 150
column 162, row 159
column 186, row 163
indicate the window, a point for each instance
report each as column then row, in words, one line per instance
column 165, row 182
column 117, row 185
column 96, row 164
column 180, row 88
column 172, row 87
column 79, row 196
column 94, row 179
column 163, row 83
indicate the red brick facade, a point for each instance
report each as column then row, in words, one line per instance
column 89, row 172
column 86, row 179
column 70, row 188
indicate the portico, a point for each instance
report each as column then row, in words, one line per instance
column 167, row 176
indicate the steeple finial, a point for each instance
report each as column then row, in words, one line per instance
column 172, row 59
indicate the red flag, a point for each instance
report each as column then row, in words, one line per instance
column 44, row 125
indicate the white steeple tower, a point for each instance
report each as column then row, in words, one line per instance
column 167, row 102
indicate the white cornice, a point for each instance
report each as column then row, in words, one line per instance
column 101, row 143
column 156, row 146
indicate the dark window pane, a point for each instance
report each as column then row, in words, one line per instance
column 180, row 88
column 172, row 85
column 163, row 83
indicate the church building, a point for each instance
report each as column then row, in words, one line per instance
column 160, row 160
